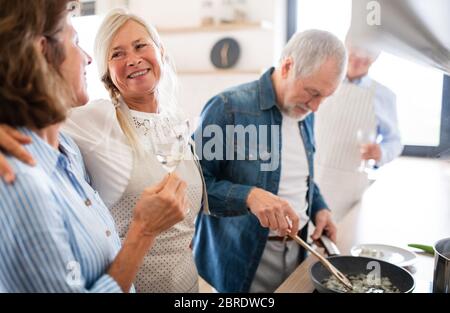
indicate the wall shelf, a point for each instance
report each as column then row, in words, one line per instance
column 220, row 72
column 216, row 28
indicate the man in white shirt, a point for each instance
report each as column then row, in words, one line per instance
column 356, row 130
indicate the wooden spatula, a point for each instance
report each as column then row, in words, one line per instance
column 330, row 267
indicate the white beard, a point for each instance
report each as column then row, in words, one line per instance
column 288, row 110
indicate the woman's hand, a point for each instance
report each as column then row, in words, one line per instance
column 12, row 141
column 162, row 206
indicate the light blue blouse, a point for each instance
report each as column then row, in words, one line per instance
column 56, row 234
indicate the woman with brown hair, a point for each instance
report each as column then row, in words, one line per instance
column 56, row 234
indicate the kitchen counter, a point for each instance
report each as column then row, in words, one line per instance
column 408, row 203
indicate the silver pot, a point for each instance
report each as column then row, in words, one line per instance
column 441, row 281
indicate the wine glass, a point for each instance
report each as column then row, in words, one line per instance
column 170, row 143
column 363, row 137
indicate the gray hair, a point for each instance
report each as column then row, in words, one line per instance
column 311, row 49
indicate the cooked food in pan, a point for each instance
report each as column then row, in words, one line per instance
column 362, row 284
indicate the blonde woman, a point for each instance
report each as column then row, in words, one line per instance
column 115, row 137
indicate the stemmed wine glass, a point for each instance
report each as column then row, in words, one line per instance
column 363, row 137
column 170, row 143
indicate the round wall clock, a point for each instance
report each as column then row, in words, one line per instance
column 225, row 53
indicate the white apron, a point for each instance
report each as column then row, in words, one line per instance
column 338, row 154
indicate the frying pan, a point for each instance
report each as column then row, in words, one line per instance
column 355, row 265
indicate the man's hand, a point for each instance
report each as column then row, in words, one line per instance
column 12, row 141
column 371, row 151
column 273, row 212
column 324, row 224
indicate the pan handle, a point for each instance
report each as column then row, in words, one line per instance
column 330, row 247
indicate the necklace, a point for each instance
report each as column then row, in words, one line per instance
column 145, row 125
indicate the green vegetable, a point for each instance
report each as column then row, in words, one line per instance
column 427, row 249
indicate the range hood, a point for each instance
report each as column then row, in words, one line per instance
column 418, row 30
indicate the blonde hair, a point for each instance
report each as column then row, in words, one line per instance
column 167, row 89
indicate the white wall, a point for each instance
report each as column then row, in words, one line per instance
column 191, row 52
column 170, row 13
column 103, row 6
column 196, row 90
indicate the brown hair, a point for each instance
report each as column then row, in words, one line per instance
column 32, row 91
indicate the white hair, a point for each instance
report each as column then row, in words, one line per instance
column 362, row 46
column 310, row 49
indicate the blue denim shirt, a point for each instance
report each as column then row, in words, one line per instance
column 228, row 243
